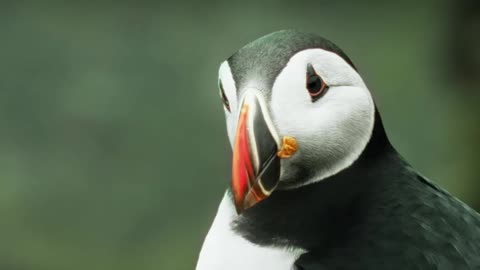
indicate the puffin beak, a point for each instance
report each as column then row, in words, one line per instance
column 256, row 154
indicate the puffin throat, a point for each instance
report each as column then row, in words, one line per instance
column 256, row 155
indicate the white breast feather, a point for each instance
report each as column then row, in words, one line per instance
column 223, row 249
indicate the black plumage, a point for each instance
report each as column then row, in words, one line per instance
column 379, row 213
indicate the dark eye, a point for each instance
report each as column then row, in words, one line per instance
column 223, row 96
column 315, row 85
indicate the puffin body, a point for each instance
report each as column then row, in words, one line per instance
column 316, row 183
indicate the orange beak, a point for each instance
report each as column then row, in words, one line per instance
column 256, row 155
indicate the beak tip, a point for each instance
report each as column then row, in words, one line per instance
column 239, row 205
column 238, row 209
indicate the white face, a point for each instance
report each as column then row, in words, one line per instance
column 331, row 131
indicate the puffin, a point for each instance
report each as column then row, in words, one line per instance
column 316, row 183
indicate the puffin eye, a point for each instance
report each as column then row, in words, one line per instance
column 315, row 85
column 223, row 96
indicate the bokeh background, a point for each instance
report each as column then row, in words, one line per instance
column 114, row 153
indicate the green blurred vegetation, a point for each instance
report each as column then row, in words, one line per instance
column 113, row 147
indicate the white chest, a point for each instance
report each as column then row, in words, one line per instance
column 223, row 249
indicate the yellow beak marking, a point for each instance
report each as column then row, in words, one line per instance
column 289, row 147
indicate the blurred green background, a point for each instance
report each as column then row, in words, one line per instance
column 114, row 153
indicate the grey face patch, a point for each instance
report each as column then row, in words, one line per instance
column 258, row 63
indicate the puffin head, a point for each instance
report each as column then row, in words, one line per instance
column 297, row 112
